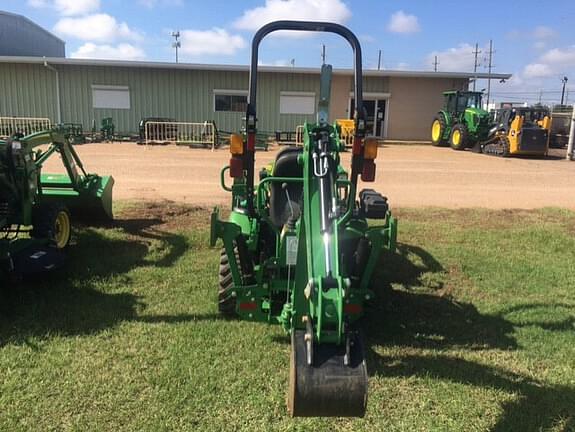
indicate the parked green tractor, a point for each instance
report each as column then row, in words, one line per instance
column 462, row 122
column 36, row 209
column 298, row 249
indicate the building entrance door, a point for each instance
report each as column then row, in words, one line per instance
column 375, row 121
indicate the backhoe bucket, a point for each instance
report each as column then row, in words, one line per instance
column 89, row 201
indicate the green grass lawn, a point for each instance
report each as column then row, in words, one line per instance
column 478, row 332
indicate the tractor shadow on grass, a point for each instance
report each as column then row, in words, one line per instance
column 412, row 317
column 94, row 290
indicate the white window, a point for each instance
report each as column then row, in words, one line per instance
column 297, row 103
column 230, row 100
column 117, row 97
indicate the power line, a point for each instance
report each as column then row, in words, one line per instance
column 564, row 81
column 489, row 71
column 475, row 64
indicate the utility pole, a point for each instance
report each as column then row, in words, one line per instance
column 435, row 63
column 475, row 64
column 489, row 71
column 564, row 81
column 176, row 44
column 379, row 61
column 540, row 95
column 323, row 54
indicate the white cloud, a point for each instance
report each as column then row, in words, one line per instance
column 458, row 59
column 214, row 41
column 537, row 70
column 122, row 51
column 554, row 62
column 68, row 7
column 560, row 57
column 150, row 4
column 308, row 10
column 401, row 22
column 543, row 32
column 97, row 27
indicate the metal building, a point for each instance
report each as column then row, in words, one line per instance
column 400, row 104
column 21, row 37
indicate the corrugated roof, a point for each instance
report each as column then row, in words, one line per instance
column 243, row 68
column 28, row 20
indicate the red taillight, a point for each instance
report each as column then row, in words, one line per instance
column 357, row 142
column 236, row 167
column 251, row 142
column 352, row 308
column 368, row 171
column 248, row 306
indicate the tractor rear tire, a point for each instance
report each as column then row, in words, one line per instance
column 438, row 127
column 226, row 303
column 459, row 137
column 53, row 222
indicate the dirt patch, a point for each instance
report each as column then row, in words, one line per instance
column 411, row 176
column 164, row 214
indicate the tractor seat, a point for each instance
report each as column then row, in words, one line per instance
column 286, row 166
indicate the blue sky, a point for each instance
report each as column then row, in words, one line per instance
column 533, row 40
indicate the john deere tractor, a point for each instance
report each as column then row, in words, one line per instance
column 298, row 249
column 36, row 209
column 462, row 123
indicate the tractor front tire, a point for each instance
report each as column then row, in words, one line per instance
column 438, row 127
column 226, row 303
column 459, row 137
column 52, row 222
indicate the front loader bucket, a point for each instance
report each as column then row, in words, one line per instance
column 90, row 201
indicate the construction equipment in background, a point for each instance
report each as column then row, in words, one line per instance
column 560, row 126
column 36, row 209
column 298, row 249
column 462, row 123
column 74, row 132
column 10, row 126
column 107, row 129
column 519, row 131
column 346, row 130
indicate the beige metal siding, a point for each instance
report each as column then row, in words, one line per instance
column 27, row 91
column 414, row 102
column 188, row 95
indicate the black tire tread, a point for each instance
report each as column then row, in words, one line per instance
column 44, row 218
column 226, row 303
column 464, row 136
column 441, row 119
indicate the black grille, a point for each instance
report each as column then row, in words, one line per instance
column 533, row 139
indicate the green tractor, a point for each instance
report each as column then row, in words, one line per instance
column 462, row 123
column 36, row 209
column 298, row 248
